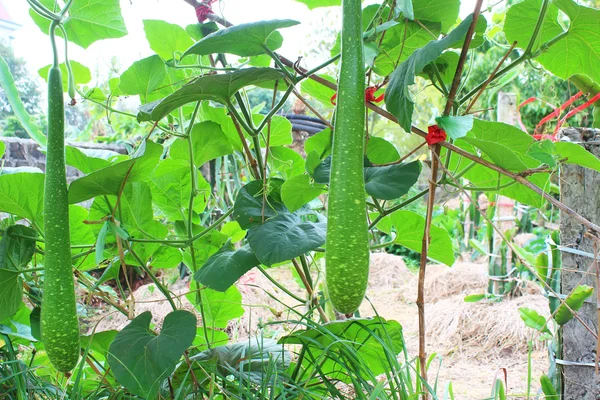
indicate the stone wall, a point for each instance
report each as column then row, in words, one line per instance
column 27, row 153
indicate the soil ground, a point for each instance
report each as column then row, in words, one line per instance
column 475, row 342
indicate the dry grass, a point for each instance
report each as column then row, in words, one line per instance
column 483, row 326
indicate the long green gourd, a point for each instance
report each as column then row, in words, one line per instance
column 347, row 247
column 60, row 326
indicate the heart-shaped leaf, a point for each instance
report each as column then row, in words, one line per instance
column 392, row 181
column 226, row 266
column 455, row 127
column 284, row 237
column 16, row 249
column 88, row 21
column 252, row 206
column 298, row 191
column 141, row 360
column 243, row 40
column 109, row 180
column 208, row 87
column 11, row 293
column 386, row 183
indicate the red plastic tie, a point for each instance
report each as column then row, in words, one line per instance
column 369, row 95
column 203, row 10
column 435, row 135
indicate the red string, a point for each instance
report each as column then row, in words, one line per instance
column 560, row 109
column 576, row 110
column 204, row 9
column 556, row 113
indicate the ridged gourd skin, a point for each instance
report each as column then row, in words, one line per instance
column 60, row 326
column 347, row 247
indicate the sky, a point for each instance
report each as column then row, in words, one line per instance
column 32, row 44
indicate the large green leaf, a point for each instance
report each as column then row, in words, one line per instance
column 502, row 155
column 251, row 205
column 16, row 250
column 318, row 91
column 253, row 359
column 171, row 189
column 385, row 182
column 2, row 149
column 208, row 141
column 243, row 40
column 409, row 228
column 455, row 127
column 508, row 146
column 88, row 21
column 81, row 73
column 15, row 253
column 285, row 163
column 110, row 179
column 299, row 190
column 22, row 194
column 221, row 307
column 226, row 266
column 165, row 39
column 380, row 151
column 397, row 97
column 83, row 159
column 404, row 7
column 81, row 234
column 285, row 237
column 320, row 143
column 143, row 77
column 141, row 360
column 534, row 320
column 12, row 95
column 365, row 344
column 220, row 116
column 392, row 181
column 11, row 293
column 577, row 52
column 576, row 154
column 574, row 300
column 401, row 41
column 521, row 19
column 443, row 11
column 208, row 87
column 281, row 130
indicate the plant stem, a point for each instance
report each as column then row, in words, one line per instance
column 52, row 35
column 275, row 57
column 279, row 286
column 398, row 207
column 538, row 26
column 277, row 107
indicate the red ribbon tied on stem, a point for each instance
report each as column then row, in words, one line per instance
column 203, row 10
column 435, row 135
column 369, row 95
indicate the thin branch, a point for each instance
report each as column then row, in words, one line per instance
column 311, row 108
column 462, row 59
column 251, row 160
column 491, row 78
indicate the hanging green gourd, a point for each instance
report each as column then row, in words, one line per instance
column 60, row 326
column 347, row 247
